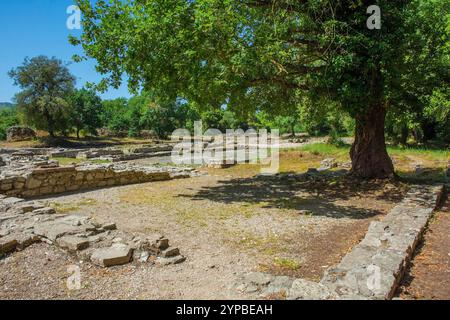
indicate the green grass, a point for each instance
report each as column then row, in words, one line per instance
column 431, row 154
column 406, row 159
column 69, row 161
column 328, row 150
column 287, row 264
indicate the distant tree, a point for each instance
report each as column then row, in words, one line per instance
column 8, row 118
column 86, row 108
column 45, row 83
column 114, row 115
column 161, row 117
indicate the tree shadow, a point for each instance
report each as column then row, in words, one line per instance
column 425, row 176
column 317, row 194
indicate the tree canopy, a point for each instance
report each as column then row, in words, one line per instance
column 45, row 83
column 86, row 109
column 273, row 54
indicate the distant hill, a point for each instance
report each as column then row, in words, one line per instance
column 4, row 105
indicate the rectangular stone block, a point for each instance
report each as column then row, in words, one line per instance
column 73, row 243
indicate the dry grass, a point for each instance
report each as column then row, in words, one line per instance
column 69, row 207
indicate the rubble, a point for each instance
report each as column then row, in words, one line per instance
column 102, row 244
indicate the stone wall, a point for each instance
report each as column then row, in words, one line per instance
column 46, row 181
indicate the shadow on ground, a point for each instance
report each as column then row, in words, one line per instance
column 321, row 195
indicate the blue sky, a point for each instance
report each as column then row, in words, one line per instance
column 38, row 27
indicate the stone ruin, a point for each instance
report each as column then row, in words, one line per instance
column 373, row 269
column 17, row 133
column 30, row 173
column 23, row 223
column 40, row 181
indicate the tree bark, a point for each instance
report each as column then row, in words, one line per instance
column 368, row 153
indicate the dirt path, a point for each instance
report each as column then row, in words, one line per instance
column 429, row 274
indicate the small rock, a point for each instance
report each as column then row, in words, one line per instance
column 8, row 244
column 329, row 163
column 144, row 257
column 46, row 210
column 170, row 252
column 162, row 244
column 109, row 226
column 312, row 171
column 167, row 261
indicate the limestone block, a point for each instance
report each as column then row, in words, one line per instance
column 73, row 243
column 117, row 254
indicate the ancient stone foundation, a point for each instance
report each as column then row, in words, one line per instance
column 45, row 181
column 23, row 223
column 374, row 267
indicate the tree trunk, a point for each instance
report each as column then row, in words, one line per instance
column 368, row 153
column 78, row 133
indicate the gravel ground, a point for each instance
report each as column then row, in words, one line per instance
column 225, row 225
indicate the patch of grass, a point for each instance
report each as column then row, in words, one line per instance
column 430, row 154
column 286, row 264
column 268, row 245
column 405, row 159
column 67, row 207
column 328, row 150
column 67, row 161
column 63, row 208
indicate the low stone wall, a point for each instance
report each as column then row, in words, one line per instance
column 46, row 181
column 373, row 269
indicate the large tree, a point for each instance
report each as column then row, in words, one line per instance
column 264, row 55
column 46, row 84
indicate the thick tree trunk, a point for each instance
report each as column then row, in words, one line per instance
column 368, row 153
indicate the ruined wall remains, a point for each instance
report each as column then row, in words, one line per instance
column 45, row 181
